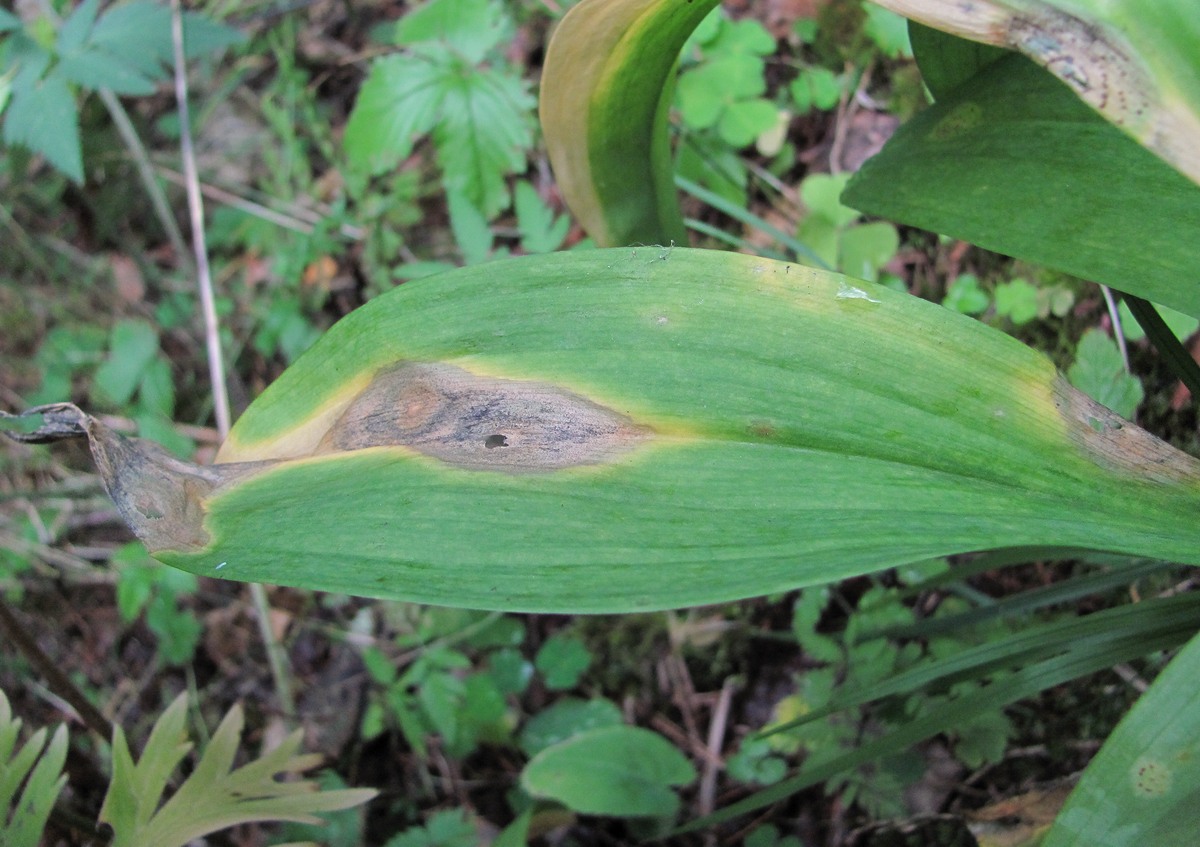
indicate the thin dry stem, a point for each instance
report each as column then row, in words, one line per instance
column 276, row 656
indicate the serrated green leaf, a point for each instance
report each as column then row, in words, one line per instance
column 43, row 118
column 619, row 771
column 965, row 296
column 471, row 230
column 76, row 27
column 471, row 28
column 485, row 128
column 400, row 100
column 94, row 69
column 139, row 34
column 213, row 797
column 746, row 120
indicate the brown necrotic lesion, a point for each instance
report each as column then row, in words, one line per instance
column 481, row 423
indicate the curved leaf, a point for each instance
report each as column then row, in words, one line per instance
column 621, row 771
column 1012, row 161
column 1144, row 785
column 1136, row 63
column 647, row 428
column 606, row 86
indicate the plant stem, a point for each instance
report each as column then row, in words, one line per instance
column 145, row 169
column 276, row 656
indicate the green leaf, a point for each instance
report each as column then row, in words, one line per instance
column 471, row 28
column 1017, row 300
column 947, row 61
column 400, row 99
column 610, row 430
column 138, row 34
column 133, row 345
column 888, row 30
column 746, row 120
column 606, row 90
column 9, row 21
column 215, row 795
column 562, row 660
column 1099, row 371
column 76, row 27
column 815, row 88
column 470, row 228
column 965, row 296
column 1133, row 62
column 485, row 128
column 39, row 766
column 541, row 231
column 43, row 118
column 1014, row 162
column 448, row 828
column 618, row 771
column 566, row 718
column 1183, row 326
column 94, row 69
column 1143, row 787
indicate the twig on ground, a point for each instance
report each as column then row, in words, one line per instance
column 706, row 799
column 1115, row 315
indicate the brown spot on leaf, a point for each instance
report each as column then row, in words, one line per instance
column 461, row 418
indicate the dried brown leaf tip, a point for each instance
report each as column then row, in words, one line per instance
column 481, row 423
column 159, row 496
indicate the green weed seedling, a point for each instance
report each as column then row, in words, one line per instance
column 837, row 234
column 723, row 90
column 1100, row 371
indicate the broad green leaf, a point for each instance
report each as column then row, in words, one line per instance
column 565, row 718
column 643, row 428
column 1183, row 326
column 619, row 771
column 42, row 117
column 1014, row 162
column 1137, row 63
column 485, row 128
column 562, row 660
column 606, row 88
column 947, row 61
column 1143, row 787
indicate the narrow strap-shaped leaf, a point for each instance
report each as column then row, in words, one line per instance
column 606, row 88
column 1079, row 661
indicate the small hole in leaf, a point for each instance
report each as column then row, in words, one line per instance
column 496, row 440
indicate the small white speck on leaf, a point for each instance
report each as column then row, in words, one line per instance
column 849, row 292
column 218, row 567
